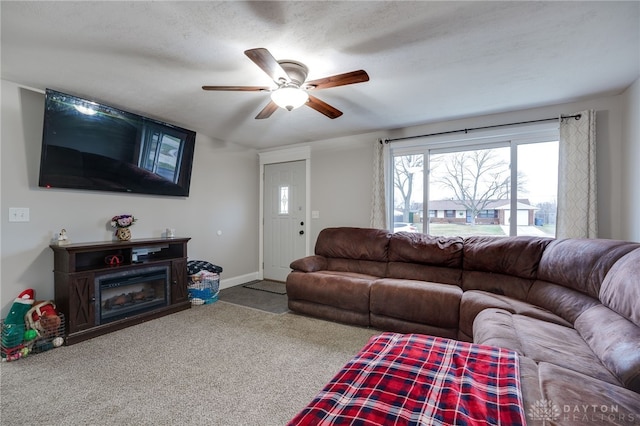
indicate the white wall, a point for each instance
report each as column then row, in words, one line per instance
column 223, row 196
column 631, row 166
column 341, row 173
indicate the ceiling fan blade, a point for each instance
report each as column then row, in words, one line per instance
column 238, row 88
column 265, row 60
column 267, row 110
column 352, row 77
column 323, row 107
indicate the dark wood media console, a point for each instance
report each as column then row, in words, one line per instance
column 80, row 268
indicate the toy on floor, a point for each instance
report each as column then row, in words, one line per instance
column 31, row 327
column 30, row 335
column 13, row 327
column 43, row 317
column 15, row 353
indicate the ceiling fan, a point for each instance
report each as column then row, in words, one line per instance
column 292, row 88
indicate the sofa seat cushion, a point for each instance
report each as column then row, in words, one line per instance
column 383, row 322
column 417, row 301
column 343, row 290
column 541, row 341
column 475, row 301
column 577, row 399
column 495, row 327
column 530, row 383
column 329, row 313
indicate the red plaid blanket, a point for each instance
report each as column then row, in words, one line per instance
column 413, row 379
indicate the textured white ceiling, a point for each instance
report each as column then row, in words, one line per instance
column 427, row 61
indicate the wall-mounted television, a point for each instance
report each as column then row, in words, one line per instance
column 92, row 146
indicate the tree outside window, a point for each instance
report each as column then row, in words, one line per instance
column 407, row 177
column 473, row 178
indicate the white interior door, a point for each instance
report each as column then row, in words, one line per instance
column 284, row 217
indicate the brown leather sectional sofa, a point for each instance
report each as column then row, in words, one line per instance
column 570, row 308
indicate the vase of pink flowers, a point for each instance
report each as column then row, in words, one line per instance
column 122, row 223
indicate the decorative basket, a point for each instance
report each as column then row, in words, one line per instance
column 21, row 340
column 203, row 287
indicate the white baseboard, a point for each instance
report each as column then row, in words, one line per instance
column 234, row 281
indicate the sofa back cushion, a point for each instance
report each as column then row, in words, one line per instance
column 426, row 249
column 502, row 265
column 360, row 250
column 353, row 243
column 616, row 342
column 620, row 289
column 415, row 256
column 590, row 261
column 562, row 301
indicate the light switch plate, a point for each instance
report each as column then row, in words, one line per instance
column 18, row 214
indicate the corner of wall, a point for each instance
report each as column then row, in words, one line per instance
column 631, row 158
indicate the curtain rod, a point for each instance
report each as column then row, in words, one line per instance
column 562, row 117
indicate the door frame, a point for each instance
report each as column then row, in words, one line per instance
column 284, row 156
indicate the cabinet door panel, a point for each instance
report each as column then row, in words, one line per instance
column 81, row 302
column 179, row 281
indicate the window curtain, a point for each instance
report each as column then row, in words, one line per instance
column 577, row 208
column 378, row 195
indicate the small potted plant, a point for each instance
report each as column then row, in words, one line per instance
column 122, row 223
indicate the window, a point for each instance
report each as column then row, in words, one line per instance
column 487, row 214
column 497, row 182
column 284, row 200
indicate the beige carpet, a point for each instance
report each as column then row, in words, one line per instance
column 218, row 364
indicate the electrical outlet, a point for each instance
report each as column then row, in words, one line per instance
column 18, row 214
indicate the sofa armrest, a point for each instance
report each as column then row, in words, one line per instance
column 309, row 264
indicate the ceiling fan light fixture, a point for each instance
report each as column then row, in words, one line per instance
column 289, row 97
column 291, row 85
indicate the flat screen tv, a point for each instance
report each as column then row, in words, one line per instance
column 87, row 145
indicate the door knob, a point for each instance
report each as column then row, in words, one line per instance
column 301, row 223
column 301, row 232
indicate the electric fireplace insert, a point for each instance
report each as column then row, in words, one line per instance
column 130, row 292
